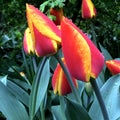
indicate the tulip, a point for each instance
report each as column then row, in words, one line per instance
column 58, row 13
column 82, row 57
column 59, row 81
column 45, row 34
column 88, row 9
column 113, row 66
column 28, row 43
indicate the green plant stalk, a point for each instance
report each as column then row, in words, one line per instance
column 31, row 67
column 100, row 99
column 34, row 64
column 34, row 90
column 42, row 112
column 26, row 65
column 69, row 78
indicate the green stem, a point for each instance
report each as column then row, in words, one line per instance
column 35, row 86
column 100, row 99
column 69, row 78
column 31, row 67
column 42, row 112
column 26, row 65
column 34, row 64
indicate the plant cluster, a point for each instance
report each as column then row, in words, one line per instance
column 60, row 60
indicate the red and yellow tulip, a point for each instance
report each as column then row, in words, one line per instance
column 113, row 66
column 88, row 9
column 45, row 34
column 59, row 81
column 82, row 57
column 58, row 13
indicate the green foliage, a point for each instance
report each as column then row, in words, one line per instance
column 111, row 94
column 10, row 106
column 27, row 94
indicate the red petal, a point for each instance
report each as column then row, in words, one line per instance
column 76, row 51
column 88, row 9
column 59, row 82
column 44, row 45
column 28, row 43
column 43, row 24
column 113, row 66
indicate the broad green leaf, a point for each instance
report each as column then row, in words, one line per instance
column 10, row 106
column 111, row 95
column 39, row 88
column 57, row 113
column 18, row 92
column 75, row 111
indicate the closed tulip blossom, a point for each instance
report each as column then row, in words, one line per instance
column 59, row 81
column 45, row 34
column 82, row 57
column 88, row 9
column 58, row 13
column 113, row 66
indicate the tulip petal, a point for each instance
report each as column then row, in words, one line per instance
column 97, row 59
column 44, row 45
column 113, row 66
column 59, row 82
column 42, row 23
column 83, row 58
column 88, row 9
column 76, row 51
column 28, row 43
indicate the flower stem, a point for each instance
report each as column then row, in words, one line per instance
column 99, row 97
column 26, row 66
column 69, row 78
column 42, row 112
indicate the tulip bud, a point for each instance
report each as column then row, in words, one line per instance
column 88, row 9
column 113, row 66
column 58, row 13
column 82, row 57
column 59, row 82
column 45, row 34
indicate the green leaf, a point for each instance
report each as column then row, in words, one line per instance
column 10, row 106
column 3, row 79
column 105, row 53
column 4, row 39
column 18, row 92
column 43, row 5
column 57, row 113
column 75, row 111
column 111, row 94
column 39, row 88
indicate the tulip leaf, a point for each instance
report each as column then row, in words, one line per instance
column 18, row 92
column 10, row 106
column 39, row 88
column 111, row 94
column 75, row 111
column 105, row 53
column 57, row 113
